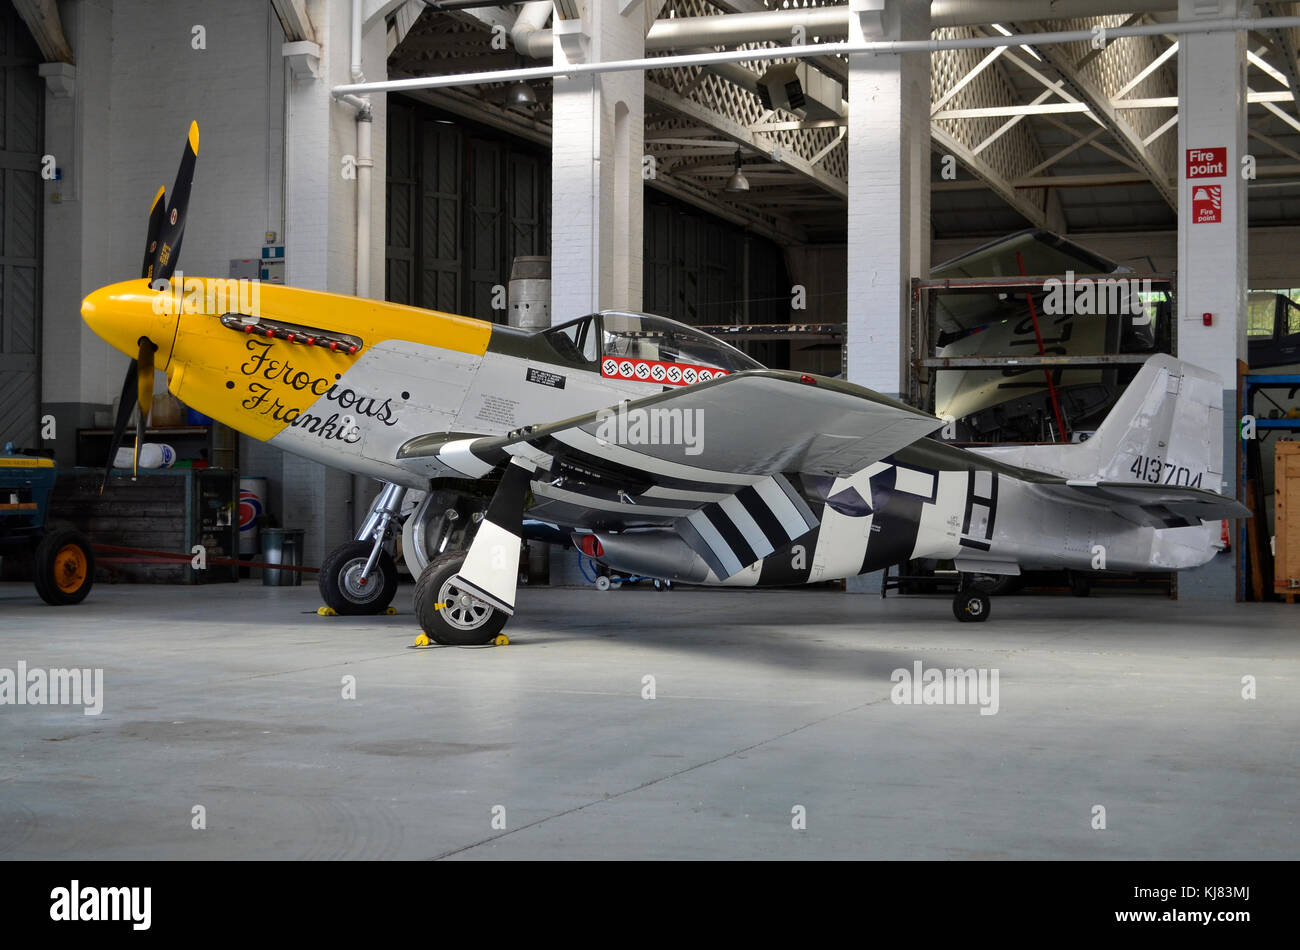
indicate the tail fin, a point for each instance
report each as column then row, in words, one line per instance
column 1166, row 429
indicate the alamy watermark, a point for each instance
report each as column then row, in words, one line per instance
column 52, row 687
column 80, row 902
column 652, row 426
column 216, row 295
column 1100, row 295
column 945, row 687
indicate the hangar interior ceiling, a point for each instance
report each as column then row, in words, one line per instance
column 1063, row 136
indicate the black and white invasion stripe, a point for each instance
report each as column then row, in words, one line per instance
column 747, row 526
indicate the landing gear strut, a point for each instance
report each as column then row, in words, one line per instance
column 360, row 577
column 464, row 598
column 448, row 612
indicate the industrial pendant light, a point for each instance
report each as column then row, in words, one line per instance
column 737, row 183
column 520, row 95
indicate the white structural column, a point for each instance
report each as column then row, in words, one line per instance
column 889, row 188
column 320, row 238
column 889, row 197
column 596, row 149
column 1212, row 232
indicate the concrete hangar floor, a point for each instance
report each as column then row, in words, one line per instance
column 767, row 706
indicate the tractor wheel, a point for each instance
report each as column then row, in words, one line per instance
column 64, row 567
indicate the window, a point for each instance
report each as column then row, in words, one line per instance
column 1292, row 325
column 575, row 341
column 647, row 337
column 1261, row 307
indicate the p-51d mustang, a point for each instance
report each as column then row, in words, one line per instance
column 652, row 446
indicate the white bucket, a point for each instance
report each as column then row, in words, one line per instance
column 152, row 455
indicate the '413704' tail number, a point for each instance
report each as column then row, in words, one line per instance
column 1149, row 468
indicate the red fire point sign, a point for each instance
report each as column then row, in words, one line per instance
column 1207, row 204
column 1207, row 162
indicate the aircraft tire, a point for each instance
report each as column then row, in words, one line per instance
column 338, row 580
column 462, row 620
column 971, row 606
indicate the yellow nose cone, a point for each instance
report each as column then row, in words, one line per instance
column 123, row 313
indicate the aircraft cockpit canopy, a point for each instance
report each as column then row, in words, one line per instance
column 643, row 336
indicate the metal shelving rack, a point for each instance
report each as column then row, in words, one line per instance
column 1249, row 386
column 921, row 329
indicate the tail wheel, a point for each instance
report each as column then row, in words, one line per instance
column 447, row 612
column 64, row 567
column 971, row 606
column 343, row 587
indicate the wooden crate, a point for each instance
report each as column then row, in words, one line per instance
column 164, row 510
column 1286, row 520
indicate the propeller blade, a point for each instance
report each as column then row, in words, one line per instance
column 157, row 212
column 164, row 256
column 162, row 245
column 144, row 398
column 125, row 406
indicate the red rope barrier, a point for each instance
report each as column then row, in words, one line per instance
column 169, row 556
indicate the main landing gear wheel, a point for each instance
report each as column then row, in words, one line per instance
column 971, row 606
column 462, row 620
column 64, row 567
column 343, row 587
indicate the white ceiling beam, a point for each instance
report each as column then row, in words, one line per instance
column 1171, row 102
column 730, row 128
column 42, row 19
column 1283, row 115
column 1095, row 145
column 1007, row 126
column 962, row 83
column 1146, row 71
column 1164, row 127
column 1284, row 42
column 1265, row 67
column 998, row 112
column 1068, row 150
column 1274, row 143
column 946, row 144
column 1060, row 58
column 295, row 20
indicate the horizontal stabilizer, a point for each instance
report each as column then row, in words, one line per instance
column 1157, row 506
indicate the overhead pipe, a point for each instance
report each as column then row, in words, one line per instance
column 365, row 158
column 983, row 12
column 527, row 35
column 1228, row 25
column 530, row 39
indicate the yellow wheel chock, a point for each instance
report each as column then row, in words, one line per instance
column 501, row 640
column 326, row 612
column 422, row 640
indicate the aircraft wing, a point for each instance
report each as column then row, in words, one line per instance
column 1157, row 506
column 714, row 460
